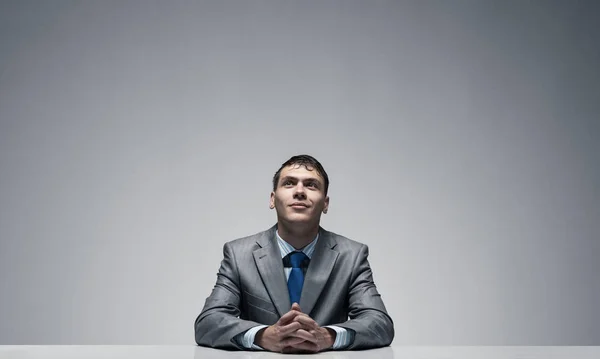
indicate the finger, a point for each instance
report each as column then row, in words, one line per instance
column 287, row 317
column 285, row 330
column 290, row 341
column 296, row 306
column 308, row 346
column 305, row 335
column 301, row 314
column 306, row 321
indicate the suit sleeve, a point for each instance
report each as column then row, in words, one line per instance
column 369, row 321
column 219, row 321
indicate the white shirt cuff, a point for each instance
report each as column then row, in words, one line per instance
column 342, row 338
column 248, row 340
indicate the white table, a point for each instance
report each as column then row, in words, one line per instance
column 194, row 352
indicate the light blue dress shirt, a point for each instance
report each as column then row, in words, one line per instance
column 342, row 338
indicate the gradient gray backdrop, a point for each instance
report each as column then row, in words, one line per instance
column 461, row 138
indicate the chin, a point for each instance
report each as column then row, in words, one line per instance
column 299, row 219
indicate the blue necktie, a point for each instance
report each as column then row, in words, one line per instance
column 296, row 279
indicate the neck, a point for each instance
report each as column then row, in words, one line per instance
column 297, row 235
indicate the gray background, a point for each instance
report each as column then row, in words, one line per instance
column 461, row 138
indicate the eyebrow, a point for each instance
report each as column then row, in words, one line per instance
column 310, row 179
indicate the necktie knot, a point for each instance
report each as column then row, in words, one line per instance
column 297, row 259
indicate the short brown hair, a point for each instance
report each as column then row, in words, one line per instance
column 309, row 162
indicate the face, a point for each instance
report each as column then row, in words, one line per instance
column 299, row 196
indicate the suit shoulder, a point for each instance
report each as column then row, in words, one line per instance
column 249, row 240
column 345, row 242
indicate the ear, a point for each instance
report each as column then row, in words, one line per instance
column 326, row 207
column 272, row 201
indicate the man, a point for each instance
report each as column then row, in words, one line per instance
column 292, row 288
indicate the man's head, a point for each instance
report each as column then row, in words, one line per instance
column 300, row 191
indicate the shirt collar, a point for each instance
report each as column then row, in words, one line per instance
column 285, row 248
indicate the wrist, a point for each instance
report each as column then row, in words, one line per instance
column 331, row 335
column 258, row 338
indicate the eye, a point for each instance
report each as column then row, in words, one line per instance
column 287, row 183
column 312, row 185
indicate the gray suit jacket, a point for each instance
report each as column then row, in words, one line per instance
column 251, row 290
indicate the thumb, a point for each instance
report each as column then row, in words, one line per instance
column 296, row 306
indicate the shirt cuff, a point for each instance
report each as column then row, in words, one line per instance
column 342, row 337
column 248, row 339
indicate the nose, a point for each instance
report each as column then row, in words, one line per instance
column 299, row 191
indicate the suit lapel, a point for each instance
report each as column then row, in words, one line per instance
column 270, row 267
column 318, row 272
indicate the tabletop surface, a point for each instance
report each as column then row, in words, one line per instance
column 194, row 352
